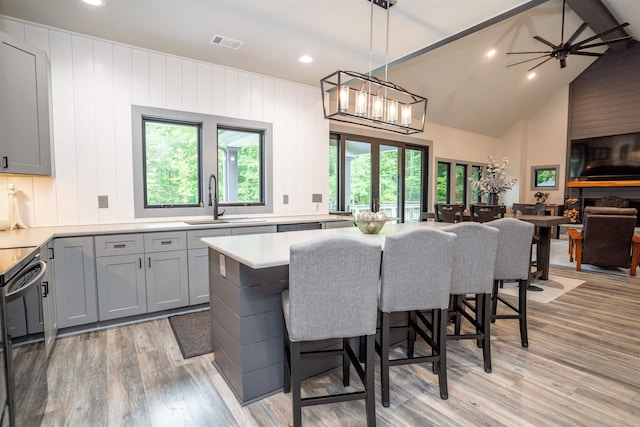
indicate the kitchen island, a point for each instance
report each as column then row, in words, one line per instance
column 247, row 274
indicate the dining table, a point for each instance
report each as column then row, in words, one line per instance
column 543, row 249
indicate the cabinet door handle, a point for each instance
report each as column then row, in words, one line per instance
column 149, row 262
column 140, row 262
column 5, row 162
column 45, row 289
column 120, row 245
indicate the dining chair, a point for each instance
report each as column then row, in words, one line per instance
column 513, row 255
column 485, row 213
column 333, row 293
column 473, row 266
column 416, row 276
column 449, row 212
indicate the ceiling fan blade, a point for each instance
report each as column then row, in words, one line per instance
column 619, row 39
column 604, row 33
column 548, row 59
column 547, row 42
column 526, row 60
column 575, row 35
column 588, row 53
column 529, row 53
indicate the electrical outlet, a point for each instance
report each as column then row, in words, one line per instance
column 316, row 198
column 103, row 202
column 285, row 199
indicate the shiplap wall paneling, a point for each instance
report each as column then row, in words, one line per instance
column 203, row 94
column 123, row 91
column 605, row 98
column 174, row 88
column 62, row 89
column 85, row 130
column 157, row 80
column 94, row 84
column 105, row 130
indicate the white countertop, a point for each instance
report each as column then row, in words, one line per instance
column 272, row 250
column 40, row 235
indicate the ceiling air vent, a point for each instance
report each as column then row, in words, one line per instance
column 226, row 42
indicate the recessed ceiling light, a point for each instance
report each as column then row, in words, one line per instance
column 94, row 2
column 305, row 59
column 491, row 53
column 531, row 75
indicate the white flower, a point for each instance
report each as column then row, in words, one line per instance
column 494, row 177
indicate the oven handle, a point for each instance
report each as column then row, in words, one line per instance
column 11, row 295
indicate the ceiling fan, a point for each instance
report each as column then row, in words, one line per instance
column 564, row 49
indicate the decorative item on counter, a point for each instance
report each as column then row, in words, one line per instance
column 541, row 197
column 371, row 222
column 14, row 214
column 572, row 212
column 494, row 180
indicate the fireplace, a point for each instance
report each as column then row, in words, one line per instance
column 590, row 191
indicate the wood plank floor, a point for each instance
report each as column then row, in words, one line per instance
column 582, row 368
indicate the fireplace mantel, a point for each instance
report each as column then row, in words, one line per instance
column 603, row 184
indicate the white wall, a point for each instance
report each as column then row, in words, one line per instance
column 546, row 144
column 94, row 83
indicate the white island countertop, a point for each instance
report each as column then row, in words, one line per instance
column 272, row 250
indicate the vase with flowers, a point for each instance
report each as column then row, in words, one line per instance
column 493, row 180
column 541, row 197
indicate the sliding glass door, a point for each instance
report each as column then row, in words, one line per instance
column 376, row 174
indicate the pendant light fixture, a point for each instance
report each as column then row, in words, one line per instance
column 363, row 99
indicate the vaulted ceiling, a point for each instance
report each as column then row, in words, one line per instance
column 436, row 47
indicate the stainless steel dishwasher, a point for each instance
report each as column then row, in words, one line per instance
column 299, row 226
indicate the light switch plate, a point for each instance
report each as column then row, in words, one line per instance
column 103, row 202
column 285, row 199
column 316, row 198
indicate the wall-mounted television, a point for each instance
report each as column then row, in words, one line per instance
column 614, row 157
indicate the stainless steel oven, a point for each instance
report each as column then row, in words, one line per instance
column 25, row 364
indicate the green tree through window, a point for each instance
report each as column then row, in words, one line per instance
column 171, row 152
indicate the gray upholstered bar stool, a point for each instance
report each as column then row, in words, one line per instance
column 333, row 293
column 512, row 265
column 416, row 275
column 474, row 259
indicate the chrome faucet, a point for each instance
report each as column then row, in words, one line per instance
column 213, row 201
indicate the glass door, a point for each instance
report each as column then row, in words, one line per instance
column 413, row 179
column 358, row 177
column 387, row 200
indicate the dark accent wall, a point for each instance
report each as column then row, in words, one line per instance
column 605, row 99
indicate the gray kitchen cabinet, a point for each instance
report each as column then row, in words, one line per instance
column 198, row 260
column 24, row 109
column 167, row 274
column 120, row 276
column 49, row 314
column 75, row 276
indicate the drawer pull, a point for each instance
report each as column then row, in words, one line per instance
column 165, row 242
column 120, row 245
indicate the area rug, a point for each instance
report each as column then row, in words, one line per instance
column 551, row 289
column 193, row 333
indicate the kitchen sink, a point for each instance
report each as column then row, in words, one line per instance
column 224, row 221
column 206, row 221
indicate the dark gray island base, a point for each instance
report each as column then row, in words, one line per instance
column 247, row 327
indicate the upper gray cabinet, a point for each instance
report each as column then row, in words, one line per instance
column 25, row 126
